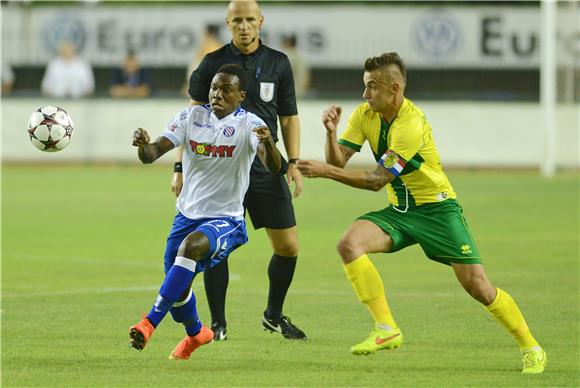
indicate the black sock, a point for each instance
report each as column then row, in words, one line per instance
column 280, row 272
column 216, row 281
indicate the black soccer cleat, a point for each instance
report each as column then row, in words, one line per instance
column 219, row 332
column 284, row 326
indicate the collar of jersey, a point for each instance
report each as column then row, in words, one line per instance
column 403, row 109
column 235, row 112
column 236, row 51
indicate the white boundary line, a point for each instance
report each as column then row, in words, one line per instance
column 76, row 291
column 151, row 263
column 198, row 287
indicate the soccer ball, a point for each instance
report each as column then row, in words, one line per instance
column 50, row 128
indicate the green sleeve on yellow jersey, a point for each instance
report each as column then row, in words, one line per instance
column 354, row 136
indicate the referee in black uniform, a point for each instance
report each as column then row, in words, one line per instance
column 270, row 95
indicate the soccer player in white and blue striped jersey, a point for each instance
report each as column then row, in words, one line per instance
column 220, row 142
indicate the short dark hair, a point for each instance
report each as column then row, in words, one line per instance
column 384, row 60
column 238, row 71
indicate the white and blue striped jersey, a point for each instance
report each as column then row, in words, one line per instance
column 217, row 156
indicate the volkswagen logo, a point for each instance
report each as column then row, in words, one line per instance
column 63, row 29
column 437, row 36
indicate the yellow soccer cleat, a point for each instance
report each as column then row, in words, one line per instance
column 535, row 360
column 379, row 339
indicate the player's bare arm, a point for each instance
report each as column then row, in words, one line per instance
column 150, row 152
column 343, row 152
column 177, row 179
column 367, row 180
column 336, row 154
column 290, row 126
column 267, row 151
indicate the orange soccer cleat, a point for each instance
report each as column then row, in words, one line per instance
column 187, row 345
column 141, row 333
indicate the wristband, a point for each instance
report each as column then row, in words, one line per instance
column 177, row 167
column 293, row 161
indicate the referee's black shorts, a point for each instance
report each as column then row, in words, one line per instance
column 268, row 200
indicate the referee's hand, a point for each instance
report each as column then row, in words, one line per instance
column 293, row 175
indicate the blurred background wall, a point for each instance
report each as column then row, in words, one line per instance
column 474, row 68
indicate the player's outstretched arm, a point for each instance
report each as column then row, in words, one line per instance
column 267, row 151
column 367, row 180
column 290, row 126
column 150, row 152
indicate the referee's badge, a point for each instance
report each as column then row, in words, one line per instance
column 266, row 91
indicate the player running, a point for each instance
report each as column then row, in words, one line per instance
column 423, row 208
column 220, row 142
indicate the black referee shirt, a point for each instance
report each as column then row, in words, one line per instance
column 270, row 81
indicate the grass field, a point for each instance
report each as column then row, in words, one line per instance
column 82, row 260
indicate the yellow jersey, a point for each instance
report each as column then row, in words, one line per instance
column 404, row 146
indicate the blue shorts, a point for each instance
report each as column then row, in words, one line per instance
column 224, row 234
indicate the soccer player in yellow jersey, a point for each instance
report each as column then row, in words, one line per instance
column 423, row 208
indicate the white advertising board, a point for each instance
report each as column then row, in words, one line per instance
column 462, row 130
column 331, row 36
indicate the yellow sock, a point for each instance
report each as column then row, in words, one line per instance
column 506, row 311
column 369, row 289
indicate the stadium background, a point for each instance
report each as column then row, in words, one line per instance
column 82, row 230
column 473, row 67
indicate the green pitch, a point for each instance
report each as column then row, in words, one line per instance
column 82, row 260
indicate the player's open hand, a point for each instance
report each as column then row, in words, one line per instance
column 312, row 168
column 263, row 134
column 331, row 117
column 140, row 137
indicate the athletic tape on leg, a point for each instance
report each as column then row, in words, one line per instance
column 185, row 263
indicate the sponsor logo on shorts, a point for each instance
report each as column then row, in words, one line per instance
column 465, row 249
column 442, row 196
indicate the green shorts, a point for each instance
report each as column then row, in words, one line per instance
column 439, row 228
